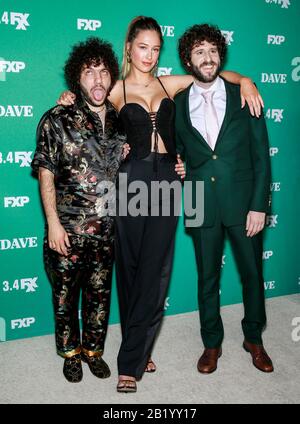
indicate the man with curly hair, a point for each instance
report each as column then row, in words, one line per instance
column 77, row 157
column 227, row 149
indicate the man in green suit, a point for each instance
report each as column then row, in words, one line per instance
column 227, row 149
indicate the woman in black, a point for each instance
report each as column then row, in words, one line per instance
column 144, row 244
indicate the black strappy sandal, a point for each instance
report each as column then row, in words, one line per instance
column 126, row 386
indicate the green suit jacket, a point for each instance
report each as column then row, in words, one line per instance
column 236, row 174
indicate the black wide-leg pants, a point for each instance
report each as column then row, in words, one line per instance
column 144, row 255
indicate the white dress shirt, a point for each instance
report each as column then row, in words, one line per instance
column 196, row 104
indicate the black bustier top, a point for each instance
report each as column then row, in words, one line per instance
column 139, row 125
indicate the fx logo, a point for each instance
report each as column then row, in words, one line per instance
column 164, row 71
column 273, row 151
column 275, row 114
column 14, row 18
column 29, row 284
column 24, row 158
column 284, row 3
column 276, row 39
column 267, row 254
column 18, row 201
column 22, row 322
column 2, row 330
column 228, row 36
column 271, row 221
column 296, row 70
column 296, row 330
column 167, row 30
column 88, row 24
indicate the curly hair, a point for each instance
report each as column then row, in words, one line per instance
column 93, row 51
column 194, row 35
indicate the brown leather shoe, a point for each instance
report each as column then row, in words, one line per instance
column 260, row 358
column 208, row 360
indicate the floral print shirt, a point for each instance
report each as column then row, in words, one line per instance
column 72, row 145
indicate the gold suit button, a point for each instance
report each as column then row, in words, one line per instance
column 213, row 179
column 214, row 156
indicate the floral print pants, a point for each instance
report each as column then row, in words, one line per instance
column 87, row 269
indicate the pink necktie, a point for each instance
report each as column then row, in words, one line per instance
column 211, row 119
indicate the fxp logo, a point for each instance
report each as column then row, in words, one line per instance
column 7, row 66
column 275, row 39
column 22, row 322
column 88, row 24
column 18, row 201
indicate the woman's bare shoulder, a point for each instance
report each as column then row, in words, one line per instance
column 176, row 83
column 116, row 94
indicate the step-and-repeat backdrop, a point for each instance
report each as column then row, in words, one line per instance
column 35, row 40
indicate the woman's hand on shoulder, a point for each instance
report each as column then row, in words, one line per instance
column 67, row 98
column 250, row 94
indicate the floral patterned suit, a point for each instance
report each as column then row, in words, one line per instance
column 71, row 144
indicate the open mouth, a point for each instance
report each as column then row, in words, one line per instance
column 98, row 93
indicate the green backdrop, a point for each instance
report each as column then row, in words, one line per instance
column 35, row 40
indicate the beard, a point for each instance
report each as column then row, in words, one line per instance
column 196, row 72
